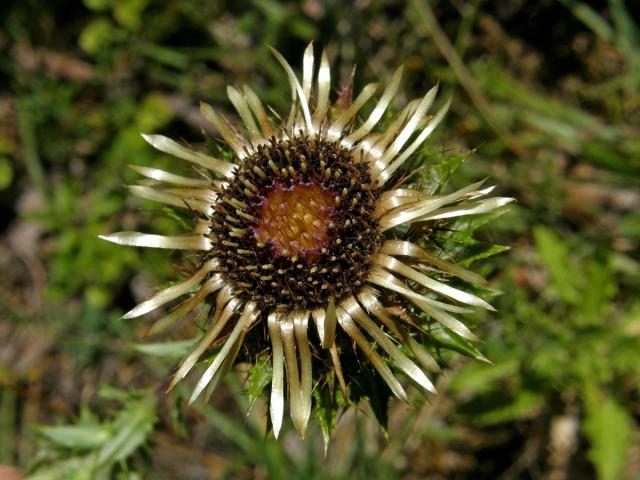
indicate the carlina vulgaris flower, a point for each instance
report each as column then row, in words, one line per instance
column 302, row 239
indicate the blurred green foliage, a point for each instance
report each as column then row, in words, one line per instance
column 80, row 81
column 91, row 449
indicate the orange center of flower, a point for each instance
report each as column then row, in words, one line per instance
column 296, row 220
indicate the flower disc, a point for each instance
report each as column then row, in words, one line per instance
column 295, row 226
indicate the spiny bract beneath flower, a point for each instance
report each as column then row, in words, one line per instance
column 298, row 244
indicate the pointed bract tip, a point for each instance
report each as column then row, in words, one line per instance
column 108, row 238
column 150, row 138
column 172, row 384
column 484, row 359
column 276, row 432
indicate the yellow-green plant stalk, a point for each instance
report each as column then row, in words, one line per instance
column 303, row 247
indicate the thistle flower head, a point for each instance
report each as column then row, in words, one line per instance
column 303, row 244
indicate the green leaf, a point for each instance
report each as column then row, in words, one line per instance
column 608, row 427
column 448, row 339
column 487, row 252
column 590, row 18
column 478, row 379
column 597, row 293
column 466, row 226
column 74, row 468
column 437, row 176
column 171, row 350
column 328, row 402
column 77, row 436
column 554, row 255
column 526, row 404
column 132, row 427
column 259, row 377
column 103, row 444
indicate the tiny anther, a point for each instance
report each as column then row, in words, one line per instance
column 249, row 185
column 259, row 172
column 244, row 215
column 238, row 204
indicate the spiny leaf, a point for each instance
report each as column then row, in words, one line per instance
column 328, row 403
column 445, row 338
column 259, row 377
column 436, row 177
column 489, row 251
column 80, row 437
column 132, row 427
